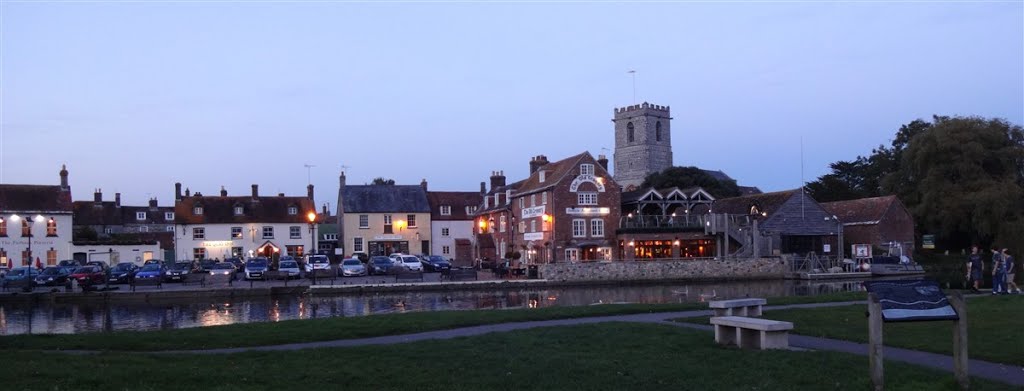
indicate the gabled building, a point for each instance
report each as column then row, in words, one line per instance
column 564, row 211
column 665, row 223
column 383, row 219
column 451, row 224
column 493, row 217
column 223, row 226
column 878, row 221
column 784, row 222
column 35, row 223
column 129, row 231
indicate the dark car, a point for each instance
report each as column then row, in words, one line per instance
column 123, row 273
column 69, row 263
column 378, row 265
column 153, row 262
column 362, row 257
column 237, row 262
column 89, row 275
column 53, row 276
column 434, row 263
column 177, row 271
column 100, row 264
column 206, row 265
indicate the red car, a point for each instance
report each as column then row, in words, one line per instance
column 89, row 275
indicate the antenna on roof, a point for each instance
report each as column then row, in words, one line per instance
column 633, row 72
column 802, row 183
column 309, row 167
column 344, row 167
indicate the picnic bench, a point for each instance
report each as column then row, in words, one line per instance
column 155, row 281
column 738, row 307
column 409, row 276
column 461, row 274
column 751, row 333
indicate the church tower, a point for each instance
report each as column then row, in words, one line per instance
column 643, row 143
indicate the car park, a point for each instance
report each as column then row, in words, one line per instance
column 435, row 263
column 238, row 263
column 89, row 275
column 317, row 262
column 362, row 257
column 150, row 271
column 206, row 265
column 411, row 263
column 290, row 266
column 224, row 269
column 152, row 261
column 20, row 273
column 177, row 271
column 69, row 263
column 53, row 276
column 256, row 268
column 123, row 273
column 379, row 265
column 352, row 267
column 100, row 264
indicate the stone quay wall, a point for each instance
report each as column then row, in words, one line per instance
column 696, row 270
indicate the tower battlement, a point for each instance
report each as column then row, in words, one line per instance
column 641, row 108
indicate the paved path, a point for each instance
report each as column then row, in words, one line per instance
column 1005, row 373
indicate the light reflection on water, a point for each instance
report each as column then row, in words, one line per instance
column 80, row 318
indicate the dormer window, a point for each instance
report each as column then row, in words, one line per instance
column 586, row 169
column 541, row 176
column 140, row 215
column 292, row 211
column 168, row 216
column 446, row 210
column 508, row 197
column 239, row 210
column 198, row 210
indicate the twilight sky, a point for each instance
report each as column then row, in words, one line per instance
column 136, row 96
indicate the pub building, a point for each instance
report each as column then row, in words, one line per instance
column 665, row 224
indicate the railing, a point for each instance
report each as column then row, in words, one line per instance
column 813, row 263
column 658, row 221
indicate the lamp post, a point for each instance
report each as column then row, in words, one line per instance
column 31, row 224
column 311, row 216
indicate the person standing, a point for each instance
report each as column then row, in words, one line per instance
column 998, row 272
column 974, row 268
column 1011, row 272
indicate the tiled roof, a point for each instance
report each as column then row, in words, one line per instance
column 34, row 198
column 864, row 210
column 555, row 172
column 457, row 200
column 765, row 202
column 385, row 198
column 503, row 206
column 221, row 210
column 108, row 213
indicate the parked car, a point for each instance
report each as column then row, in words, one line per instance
column 69, row 263
column 317, row 262
column 205, row 265
column 256, row 268
column 379, row 265
column 277, row 265
column 362, row 257
column 352, row 267
column 150, row 271
column 20, row 273
column 152, row 262
column 290, row 266
column 89, row 275
column 224, row 269
column 100, row 264
column 238, row 263
column 434, row 263
column 123, row 273
column 411, row 263
column 177, row 271
column 53, row 276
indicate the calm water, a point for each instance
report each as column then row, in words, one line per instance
column 81, row 318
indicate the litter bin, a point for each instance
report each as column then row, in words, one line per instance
column 532, row 272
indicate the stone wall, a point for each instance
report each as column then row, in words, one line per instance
column 762, row 268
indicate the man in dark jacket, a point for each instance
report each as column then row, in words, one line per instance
column 974, row 268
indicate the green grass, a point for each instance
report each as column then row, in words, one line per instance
column 994, row 328
column 610, row 356
column 325, row 329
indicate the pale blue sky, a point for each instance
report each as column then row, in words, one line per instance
column 136, row 96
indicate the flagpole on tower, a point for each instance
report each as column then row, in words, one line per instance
column 633, row 73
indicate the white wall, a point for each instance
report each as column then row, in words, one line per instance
column 458, row 229
column 14, row 243
column 137, row 254
column 218, row 241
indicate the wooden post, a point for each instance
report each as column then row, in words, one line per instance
column 875, row 343
column 960, row 340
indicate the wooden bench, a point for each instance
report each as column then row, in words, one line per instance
column 461, row 275
column 738, row 307
column 408, row 276
column 751, row 333
column 155, row 281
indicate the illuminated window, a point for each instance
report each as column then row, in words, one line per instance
column 51, row 227
column 3, row 227
column 198, row 233
column 295, row 251
column 51, row 257
column 295, row 232
column 268, row 232
column 198, row 253
column 26, row 230
column 236, row 232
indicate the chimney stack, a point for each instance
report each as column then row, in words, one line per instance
column 483, row 188
column 497, row 179
column 325, row 210
column 188, row 193
column 423, row 184
column 98, row 196
column 255, row 191
column 152, row 204
column 117, row 200
column 223, row 191
column 603, row 161
column 537, row 162
column 177, row 191
column 309, row 191
column 64, row 177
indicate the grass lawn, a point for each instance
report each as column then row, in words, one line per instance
column 609, row 356
column 325, row 329
column 994, row 328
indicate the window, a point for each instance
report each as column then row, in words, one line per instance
column 579, row 228
column 197, row 210
column 629, row 132
column 387, row 224
column 522, row 202
column 544, row 198
column 330, row 236
column 446, row 210
column 571, row 254
column 168, row 216
column 26, row 230
column 522, row 226
column 268, row 232
column 236, row 251
column 541, row 176
column 657, row 131
column 587, row 198
column 445, row 232
column 236, row 232
column 597, row 228
column 26, row 258
column 508, row 197
column 3, row 227
column 357, row 245
column 533, row 225
column 199, row 253
column 198, row 233
column 502, row 248
column 239, row 211
column 445, row 250
column 387, row 219
column 501, row 224
column 292, row 211
column 169, row 228
column 533, row 200
column 143, row 228
column 140, row 215
column 51, row 257
column 586, row 169
column 295, row 251
column 364, row 221
column 51, row 227
column 295, row 232
column 412, row 221
column 108, row 230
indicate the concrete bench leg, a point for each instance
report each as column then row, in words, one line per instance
column 725, row 335
column 748, row 338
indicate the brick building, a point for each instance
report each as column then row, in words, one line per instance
column 877, row 221
column 122, row 225
column 451, row 224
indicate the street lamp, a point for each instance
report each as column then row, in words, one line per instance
column 32, row 222
column 311, row 216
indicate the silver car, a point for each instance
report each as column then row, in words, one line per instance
column 352, row 267
column 223, row 269
column 290, row 267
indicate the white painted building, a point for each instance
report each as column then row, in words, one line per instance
column 249, row 226
column 451, row 224
column 35, row 223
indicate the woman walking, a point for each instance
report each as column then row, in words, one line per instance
column 1011, row 272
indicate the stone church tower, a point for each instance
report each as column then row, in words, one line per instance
column 643, row 143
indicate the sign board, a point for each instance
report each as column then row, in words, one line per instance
column 536, row 211
column 217, row 243
column 861, row 250
column 928, row 241
column 827, row 248
column 533, row 236
column 911, row 300
column 588, row 211
column 581, row 179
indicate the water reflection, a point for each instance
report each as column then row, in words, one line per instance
column 163, row 315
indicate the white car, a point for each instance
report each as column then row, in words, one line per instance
column 290, row 267
column 317, row 262
column 412, row 263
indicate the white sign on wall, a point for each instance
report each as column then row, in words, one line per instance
column 588, row 211
column 387, row 237
column 217, row 243
column 536, row 211
column 581, row 179
column 533, row 236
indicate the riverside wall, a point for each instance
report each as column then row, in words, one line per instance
column 695, row 270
